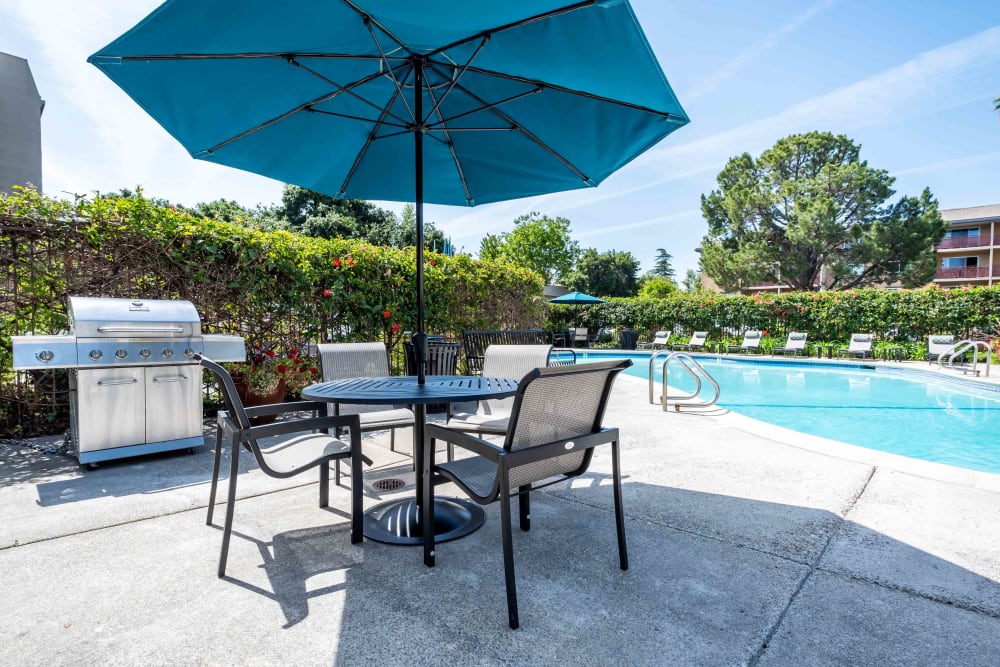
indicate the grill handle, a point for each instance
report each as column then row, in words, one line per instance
column 105, row 383
column 108, row 329
column 177, row 378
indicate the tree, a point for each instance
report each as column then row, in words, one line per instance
column 662, row 266
column 692, row 281
column 537, row 242
column 611, row 273
column 657, row 287
column 808, row 213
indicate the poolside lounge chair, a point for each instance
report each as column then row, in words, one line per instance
column 796, row 344
column 310, row 446
column 660, row 338
column 578, row 336
column 341, row 361
column 751, row 342
column 699, row 339
column 938, row 345
column 861, row 346
column 506, row 361
column 554, row 427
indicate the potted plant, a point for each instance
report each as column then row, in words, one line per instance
column 267, row 377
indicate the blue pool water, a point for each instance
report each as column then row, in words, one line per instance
column 902, row 413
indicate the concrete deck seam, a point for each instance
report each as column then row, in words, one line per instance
column 976, row 609
column 759, row 653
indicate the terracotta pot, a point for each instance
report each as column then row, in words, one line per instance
column 251, row 398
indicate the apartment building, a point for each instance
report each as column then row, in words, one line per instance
column 20, row 125
column 969, row 253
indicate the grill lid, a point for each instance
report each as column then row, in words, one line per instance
column 91, row 317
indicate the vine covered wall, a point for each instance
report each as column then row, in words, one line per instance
column 277, row 289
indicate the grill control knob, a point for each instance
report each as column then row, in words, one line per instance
column 45, row 356
column 121, row 353
column 167, row 353
column 188, row 352
column 95, row 354
column 145, row 353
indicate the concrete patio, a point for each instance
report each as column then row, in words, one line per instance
column 748, row 545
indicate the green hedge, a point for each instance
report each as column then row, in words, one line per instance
column 896, row 316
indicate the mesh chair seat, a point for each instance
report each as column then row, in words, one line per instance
column 479, row 423
column 294, row 453
column 396, row 418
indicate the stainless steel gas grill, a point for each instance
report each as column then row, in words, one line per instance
column 135, row 387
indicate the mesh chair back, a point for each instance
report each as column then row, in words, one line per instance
column 511, row 361
column 939, row 344
column 341, row 361
column 556, row 404
column 230, row 397
column 698, row 338
column 442, row 358
column 751, row 339
column 860, row 342
column 796, row 341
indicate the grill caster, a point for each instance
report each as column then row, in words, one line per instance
column 90, row 466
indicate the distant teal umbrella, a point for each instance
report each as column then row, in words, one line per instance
column 515, row 98
column 576, row 299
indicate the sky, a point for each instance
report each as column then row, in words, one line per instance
column 912, row 81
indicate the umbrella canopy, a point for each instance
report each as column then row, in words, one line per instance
column 576, row 299
column 442, row 101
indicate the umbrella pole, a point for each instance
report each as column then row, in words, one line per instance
column 420, row 338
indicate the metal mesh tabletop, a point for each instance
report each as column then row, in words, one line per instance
column 405, row 389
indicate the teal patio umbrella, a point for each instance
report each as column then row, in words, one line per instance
column 576, row 299
column 440, row 101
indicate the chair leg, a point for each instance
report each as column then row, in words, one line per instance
column 337, row 473
column 230, row 507
column 215, row 474
column 451, row 452
column 619, row 511
column 357, row 533
column 508, row 551
column 524, row 505
column 324, row 484
column 392, row 439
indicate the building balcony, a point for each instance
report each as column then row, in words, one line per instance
column 963, row 272
column 967, row 242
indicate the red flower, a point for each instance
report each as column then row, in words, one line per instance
column 782, row 313
column 327, row 292
column 764, row 332
column 297, row 361
column 282, row 368
column 293, row 353
column 395, row 328
column 270, row 353
column 302, row 370
column 387, row 314
column 350, row 261
column 336, row 263
column 431, row 262
column 313, row 371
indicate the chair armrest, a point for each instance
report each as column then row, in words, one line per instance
column 282, row 408
column 325, row 423
column 464, row 440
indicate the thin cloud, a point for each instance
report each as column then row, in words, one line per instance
column 751, row 53
column 957, row 163
column 650, row 222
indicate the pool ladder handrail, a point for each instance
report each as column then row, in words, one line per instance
column 959, row 349
column 694, row 369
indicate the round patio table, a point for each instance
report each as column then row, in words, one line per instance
column 398, row 521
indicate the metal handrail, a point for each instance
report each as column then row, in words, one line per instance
column 694, row 369
column 959, row 349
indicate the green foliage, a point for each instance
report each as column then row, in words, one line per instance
column 278, row 289
column 537, row 242
column 903, row 317
column 606, row 274
column 810, row 214
column 692, row 281
column 657, row 287
column 663, row 266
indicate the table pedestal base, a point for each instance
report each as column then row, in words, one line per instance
column 398, row 521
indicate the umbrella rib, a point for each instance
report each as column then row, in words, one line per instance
column 368, row 17
column 350, row 92
column 455, row 79
column 247, row 56
column 570, row 91
column 311, row 109
column 290, row 112
column 515, row 24
column 483, row 108
column 447, row 135
column 527, row 133
column 371, row 137
column 381, row 52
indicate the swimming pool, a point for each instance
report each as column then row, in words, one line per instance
column 879, row 407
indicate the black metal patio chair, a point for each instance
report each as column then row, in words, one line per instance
column 554, row 427
column 312, row 446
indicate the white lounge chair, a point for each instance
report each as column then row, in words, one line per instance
column 938, row 345
column 796, row 344
column 751, row 342
column 578, row 335
column 660, row 338
column 699, row 339
column 861, row 346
